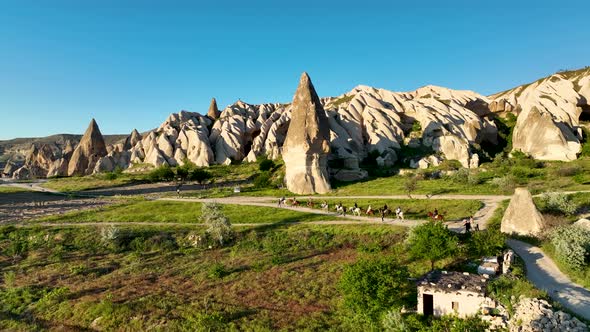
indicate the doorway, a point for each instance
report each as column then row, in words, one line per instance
column 428, row 304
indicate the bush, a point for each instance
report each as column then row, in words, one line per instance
column 572, row 245
column 466, row 176
column 556, row 202
column 218, row 226
column 263, row 180
column 372, row 286
column 266, row 165
column 486, row 243
column 200, row 175
column 217, row 271
column 162, row 173
column 506, row 183
column 432, row 241
column 450, row 165
column 410, row 185
column 569, row 170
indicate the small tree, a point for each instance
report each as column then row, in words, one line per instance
column 266, row 165
column 200, row 175
column 218, row 226
column 410, row 185
column 373, row 286
column 486, row 243
column 432, row 241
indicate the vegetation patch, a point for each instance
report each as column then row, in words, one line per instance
column 182, row 212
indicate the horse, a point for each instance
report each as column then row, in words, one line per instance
column 384, row 212
column 310, row 204
column 324, row 206
column 370, row 211
column 355, row 211
column 340, row 209
column 293, row 202
column 400, row 215
column 438, row 217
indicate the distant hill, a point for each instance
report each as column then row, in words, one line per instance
column 17, row 148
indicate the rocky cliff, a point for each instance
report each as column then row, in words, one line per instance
column 551, row 113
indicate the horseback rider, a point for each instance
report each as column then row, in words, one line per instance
column 435, row 214
column 398, row 212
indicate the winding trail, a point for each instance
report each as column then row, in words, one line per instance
column 543, row 272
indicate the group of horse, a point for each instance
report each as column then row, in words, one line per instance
column 357, row 210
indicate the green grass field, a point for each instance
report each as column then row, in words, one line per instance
column 12, row 190
column 182, row 212
column 412, row 208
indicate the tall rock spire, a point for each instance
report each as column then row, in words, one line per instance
column 213, row 112
column 90, row 149
column 307, row 144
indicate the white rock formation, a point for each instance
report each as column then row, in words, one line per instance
column 549, row 112
column 521, row 216
column 307, row 144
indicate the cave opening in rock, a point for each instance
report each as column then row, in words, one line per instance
column 585, row 115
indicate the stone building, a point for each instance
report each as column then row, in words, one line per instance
column 452, row 293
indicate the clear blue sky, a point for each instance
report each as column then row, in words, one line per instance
column 131, row 63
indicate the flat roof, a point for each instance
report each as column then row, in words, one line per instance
column 454, row 281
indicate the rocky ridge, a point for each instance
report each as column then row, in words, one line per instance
column 420, row 128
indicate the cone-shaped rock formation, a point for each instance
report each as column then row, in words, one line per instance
column 307, row 144
column 213, row 112
column 90, row 149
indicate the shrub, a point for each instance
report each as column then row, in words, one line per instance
column 450, row 165
column 111, row 237
column 162, row 173
column 373, row 285
column 486, row 243
column 263, row 180
column 410, row 185
column 569, row 170
column 218, row 226
column 266, row 165
column 416, row 126
column 200, row 175
column 466, row 176
column 556, row 202
column 572, row 245
column 505, row 184
column 432, row 241
column 217, row 271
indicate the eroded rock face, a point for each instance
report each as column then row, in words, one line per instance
column 307, row 144
column 549, row 113
column 88, row 152
column 521, row 216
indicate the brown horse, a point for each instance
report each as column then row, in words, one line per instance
column 293, row 202
column 438, row 217
column 310, row 204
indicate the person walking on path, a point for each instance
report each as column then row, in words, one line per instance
column 468, row 225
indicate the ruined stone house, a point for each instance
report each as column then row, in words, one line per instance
column 452, row 293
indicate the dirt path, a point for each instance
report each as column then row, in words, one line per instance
column 543, row 272
column 482, row 216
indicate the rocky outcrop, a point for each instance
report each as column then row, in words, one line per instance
column 9, row 169
column 213, row 113
column 60, row 166
column 532, row 315
column 88, row 152
column 521, row 216
column 583, row 223
column 307, row 144
column 550, row 112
